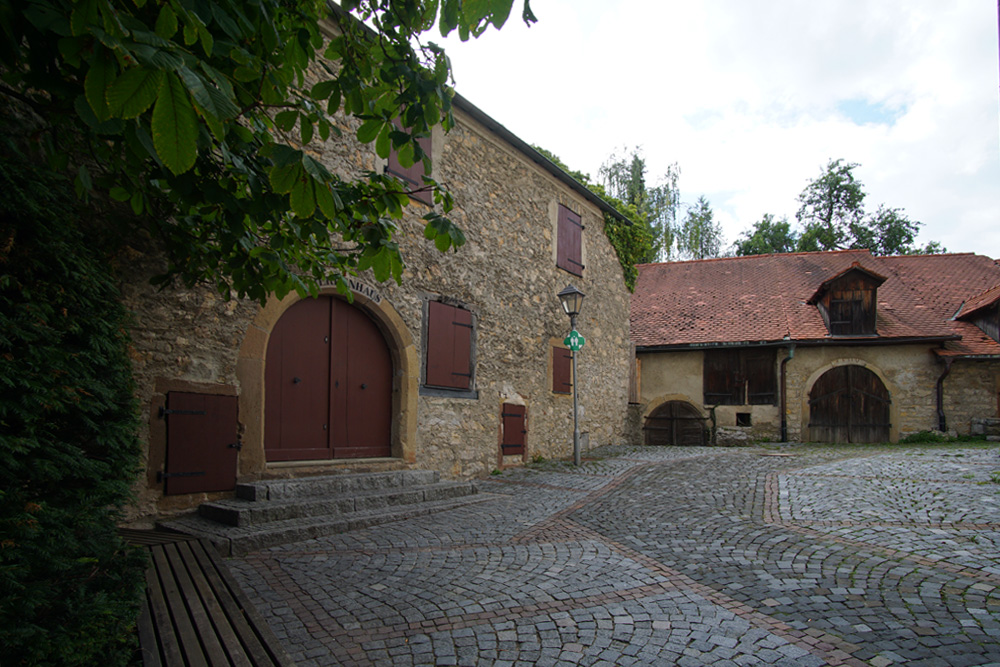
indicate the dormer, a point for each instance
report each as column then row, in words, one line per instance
column 983, row 310
column 848, row 301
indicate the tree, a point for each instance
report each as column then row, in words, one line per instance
column 198, row 116
column 767, row 237
column 624, row 178
column 700, row 237
column 833, row 217
column 832, row 207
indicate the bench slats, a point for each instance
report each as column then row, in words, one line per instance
column 195, row 613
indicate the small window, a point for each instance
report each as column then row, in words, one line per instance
column 562, row 370
column 412, row 176
column 448, row 346
column 743, row 419
column 569, row 248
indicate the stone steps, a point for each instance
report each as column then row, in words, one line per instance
column 273, row 512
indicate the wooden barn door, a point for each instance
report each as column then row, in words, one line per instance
column 675, row 423
column 328, row 384
column 849, row 404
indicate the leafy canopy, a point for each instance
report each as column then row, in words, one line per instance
column 700, row 236
column 832, row 217
column 202, row 115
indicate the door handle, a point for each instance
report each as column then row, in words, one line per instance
column 364, row 386
column 296, row 380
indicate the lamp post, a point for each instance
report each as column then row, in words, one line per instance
column 571, row 299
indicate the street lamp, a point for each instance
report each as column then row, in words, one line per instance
column 572, row 300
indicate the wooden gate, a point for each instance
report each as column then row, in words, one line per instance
column 676, row 423
column 849, row 404
column 328, row 384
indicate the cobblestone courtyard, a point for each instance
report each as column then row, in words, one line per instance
column 800, row 555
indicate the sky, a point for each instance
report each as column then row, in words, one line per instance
column 752, row 98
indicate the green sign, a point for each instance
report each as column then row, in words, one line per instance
column 574, row 340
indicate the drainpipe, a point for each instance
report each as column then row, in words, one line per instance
column 942, row 422
column 784, row 387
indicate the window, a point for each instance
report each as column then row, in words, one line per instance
column 744, row 419
column 852, row 312
column 562, row 370
column 740, row 377
column 412, row 176
column 569, row 244
column 448, row 345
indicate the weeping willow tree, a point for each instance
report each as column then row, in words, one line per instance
column 624, row 178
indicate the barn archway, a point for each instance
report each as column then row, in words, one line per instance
column 851, row 404
column 677, row 423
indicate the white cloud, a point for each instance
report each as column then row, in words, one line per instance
column 750, row 98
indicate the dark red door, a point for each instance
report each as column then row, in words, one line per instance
column 328, row 383
column 202, row 443
column 514, row 429
column 361, row 408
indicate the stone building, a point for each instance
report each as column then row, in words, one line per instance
column 460, row 369
column 834, row 346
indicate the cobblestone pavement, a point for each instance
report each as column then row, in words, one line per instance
column 799, row 555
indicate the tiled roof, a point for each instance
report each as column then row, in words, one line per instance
column 763, row 298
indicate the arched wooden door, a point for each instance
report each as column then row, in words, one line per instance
column 328, row 384
column 676, row 423
column 849, row 404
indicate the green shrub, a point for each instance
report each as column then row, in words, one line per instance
column 924, row 437
column 69, row 588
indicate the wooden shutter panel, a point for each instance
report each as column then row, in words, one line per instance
column 562, row 370
column 723, row 385
column 202, row 443
column 514, row 429
column 413, row 175
column 569, row 245
column 761, row 376
column 449, row 346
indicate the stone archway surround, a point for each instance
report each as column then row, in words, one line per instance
column 250, row 375
column 820, row 371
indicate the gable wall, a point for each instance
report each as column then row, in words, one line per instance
column 190, row 339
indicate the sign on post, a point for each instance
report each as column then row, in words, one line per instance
column 574, row 340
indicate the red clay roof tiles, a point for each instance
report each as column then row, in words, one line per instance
column 763, row 298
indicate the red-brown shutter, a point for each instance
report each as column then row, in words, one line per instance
column 412, row 176
column 514, row 429
column 562, row 370
column 569, row 245
column 449, row 346
column 202, row 443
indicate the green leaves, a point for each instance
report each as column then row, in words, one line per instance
column 133, row 92
column 175, row 126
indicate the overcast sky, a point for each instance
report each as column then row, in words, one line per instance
column 752, row 98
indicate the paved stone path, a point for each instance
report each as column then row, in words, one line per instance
column 799, row 555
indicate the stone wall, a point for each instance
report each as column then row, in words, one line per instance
column 191, row 340
column 971, row 391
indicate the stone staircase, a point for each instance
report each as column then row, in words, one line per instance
column 273, row 512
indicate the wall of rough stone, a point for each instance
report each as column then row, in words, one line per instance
column 910, row 373
column 971, row 391
column 190, row 339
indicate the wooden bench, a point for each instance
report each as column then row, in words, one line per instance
column 194, row 612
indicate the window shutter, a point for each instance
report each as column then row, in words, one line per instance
column 449, row 346
column 569, row 245
column 723, row 385
column 761, row 376
column 562, row 370
column 411, row 176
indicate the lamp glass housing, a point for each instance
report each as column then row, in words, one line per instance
column 572, row 300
